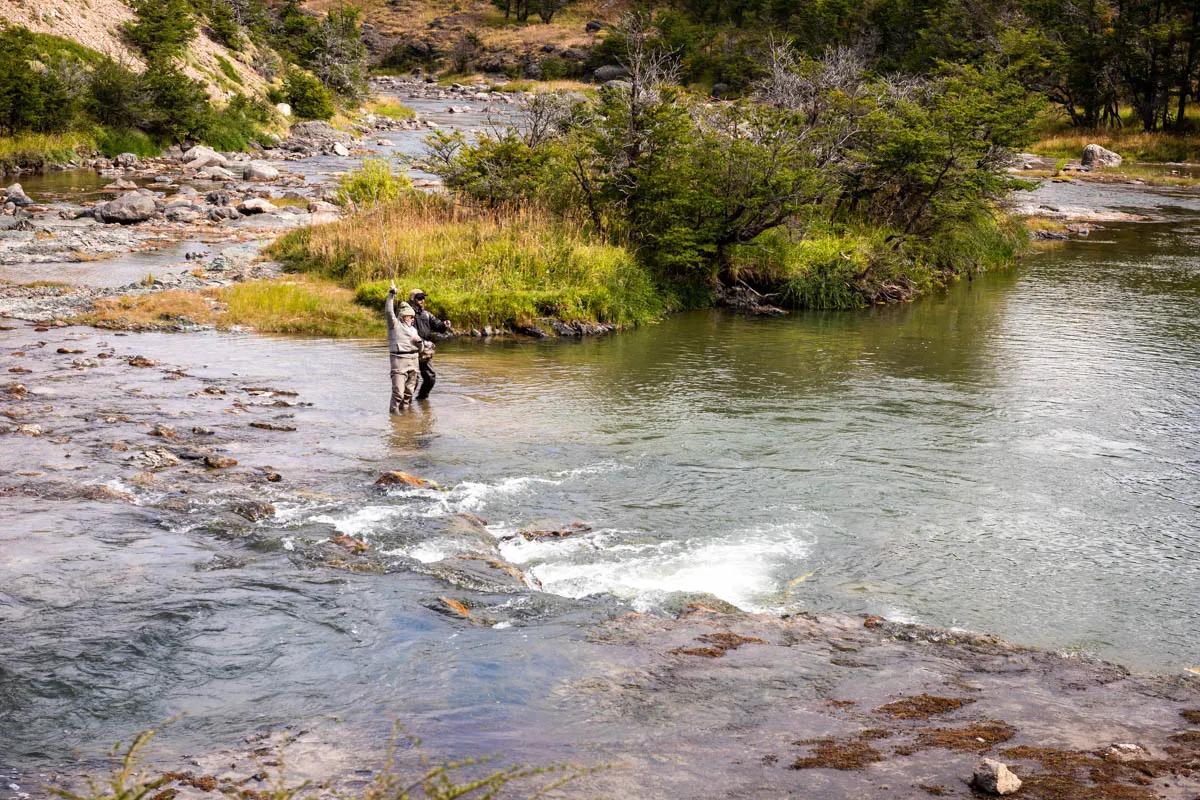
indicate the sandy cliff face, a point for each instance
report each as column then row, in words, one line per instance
column 97, row 24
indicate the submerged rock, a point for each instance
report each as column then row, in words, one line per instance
column 398, row 478
column 478, row 573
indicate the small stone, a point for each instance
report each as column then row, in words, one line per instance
column 219, row 462
column 994, row 777
column 141, row 361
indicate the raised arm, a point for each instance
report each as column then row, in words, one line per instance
column 389, row 309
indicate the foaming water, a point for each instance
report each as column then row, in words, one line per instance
column 1020, row 456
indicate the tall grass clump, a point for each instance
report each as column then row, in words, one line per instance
column 305, row 306
column 479, row 266
column 373, row 183
column 36, row 150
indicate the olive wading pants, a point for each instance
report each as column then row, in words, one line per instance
column 428, row 379
column 405, row 374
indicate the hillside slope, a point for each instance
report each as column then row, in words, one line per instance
column 96, row 24
column 407, row 33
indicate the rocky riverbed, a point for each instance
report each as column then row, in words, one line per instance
column 709, row 702
column 225, row 526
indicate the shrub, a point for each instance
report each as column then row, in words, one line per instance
column 33, row 95
column 175, row 106
column 229, row 70
column 111, row 142
column 162, row 29
column 114, row 95
column 372, row 184
column 308, row 98
column 236, row 125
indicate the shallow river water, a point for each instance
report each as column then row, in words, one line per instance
column 1019, row 456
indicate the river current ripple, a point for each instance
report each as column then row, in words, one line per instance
column 1018, row 456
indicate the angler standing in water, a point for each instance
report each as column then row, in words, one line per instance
column 428, row 326
column 404, row 347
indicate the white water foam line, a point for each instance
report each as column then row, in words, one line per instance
column 742, row 567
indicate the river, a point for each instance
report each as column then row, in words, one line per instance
column 1018, row 455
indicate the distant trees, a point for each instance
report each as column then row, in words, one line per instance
column 819, row 142
column 1092, row 58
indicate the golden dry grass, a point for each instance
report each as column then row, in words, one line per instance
column 156, row 311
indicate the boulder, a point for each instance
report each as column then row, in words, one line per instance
column 284, row 109
column 321, row 207
column 260, row 171
column 994, row 777
column 16, row 195
column 127, row 161
column 121, row 185
column 1096, row 156
column 256, row 205
column 593, row 26
column 612, row 72
column 215, row 173
column 184, row 213
column 222, row 213
column 128, row 208
column 339, row 149
column 720, row 90
column 220, row 197
column 200, row 156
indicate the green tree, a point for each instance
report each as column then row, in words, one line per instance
column 161, row 29
column 307, row 96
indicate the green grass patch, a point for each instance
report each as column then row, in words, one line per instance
column 229, row 69
column 112, row 142
column 303, row 306
column 53, row 47
column 39, row 150
column 479, row 267
column 390, row 109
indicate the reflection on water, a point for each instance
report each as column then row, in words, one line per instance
column 1018, row 456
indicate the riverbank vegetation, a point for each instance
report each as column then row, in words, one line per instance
column 481, row 266
column 60, row 89
column 827, row 187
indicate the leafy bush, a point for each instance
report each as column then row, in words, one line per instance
column 161, row 29
column 174, row 107
column 114, row 96
column 111, row 142
column 372, row 184
column 34, row 96
column 236, row 125
column 307, row 96
column 229, row 70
